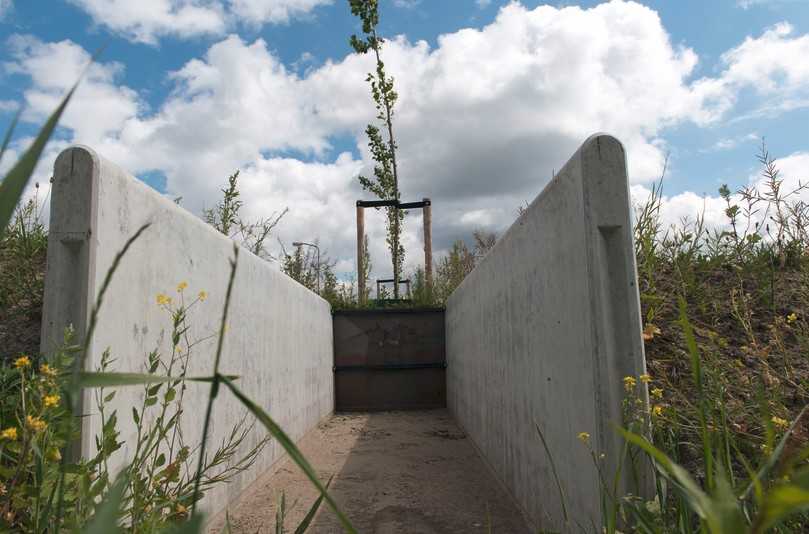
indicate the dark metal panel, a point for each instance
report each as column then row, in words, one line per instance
column 389, row 359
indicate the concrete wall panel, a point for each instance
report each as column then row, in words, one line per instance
column 541, row 333
column 279, row 337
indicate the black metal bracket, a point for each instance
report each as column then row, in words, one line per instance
column 392, row 204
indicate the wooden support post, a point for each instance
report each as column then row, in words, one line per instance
column 360, row 254
column 428, row 242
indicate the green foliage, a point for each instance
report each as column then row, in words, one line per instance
column 726, row 342
column 22, row 266
column 385, row 183
column 451, row 270
column 226, row 218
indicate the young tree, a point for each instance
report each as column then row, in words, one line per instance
column 385, row 183
column 226, row 219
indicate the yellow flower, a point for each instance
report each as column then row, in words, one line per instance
column 35, row 423
column 10, row 433
column 47, row 370
column 181, row 286
column 645, row 378
column 181, row 510
column 54, row 455
column 203, row 295
column 780, row 423
column 22, row 361
column 657, row 393
column 657, row 410
column 629, row 383
column 51, row 401
column 163, row 300
column 792, row 317
column 584, row 437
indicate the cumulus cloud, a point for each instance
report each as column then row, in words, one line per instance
column 483, row 120
column 147, row 20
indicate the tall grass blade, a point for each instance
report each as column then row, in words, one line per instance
column 105, row 520
column 13, row 184
column 697, row 499
column 784, row 500
column 215, row 384
column 9, row 133
column 291, row 449
column 558, row 482
column 773, row 458
column 91, row 379
column 310, row 515
column 696, row 370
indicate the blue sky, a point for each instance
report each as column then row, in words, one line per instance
column 682, row 77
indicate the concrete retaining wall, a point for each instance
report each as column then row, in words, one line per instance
column 279, row 337
column 542, row 332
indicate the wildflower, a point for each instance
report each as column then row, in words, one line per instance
column 163, row 300
column 792, row 317
column 650, row 331
column 657, row 393
column 47, row 370
column 584, row 437
column 181, row 286
column 629, row 383
column 10, row 434
column 22, row 361
column 657, row 410
column 645, row 378
column 780, row 423
column 35, row 423
column 182, row 510
column 653, row 507
column 51, row 401
column 54, row 455
column 202, row 295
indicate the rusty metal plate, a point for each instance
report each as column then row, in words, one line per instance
column 389, row 359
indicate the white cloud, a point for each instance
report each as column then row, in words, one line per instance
column 483, row 119
column 6, row 6
column 147, row 20
column 8, row 105
column 406, row 4
column 772, row 65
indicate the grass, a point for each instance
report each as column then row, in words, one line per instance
column 726, row 333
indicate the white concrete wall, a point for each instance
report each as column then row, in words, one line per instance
column 279, row 337
column 543, row 330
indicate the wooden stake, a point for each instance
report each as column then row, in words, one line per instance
column 428, row 242
column 361, row 254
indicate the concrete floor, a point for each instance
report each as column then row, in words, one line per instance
column 394, row 472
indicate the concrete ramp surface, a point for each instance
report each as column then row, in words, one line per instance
column 409, row 472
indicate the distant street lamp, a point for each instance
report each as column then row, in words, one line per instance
column 301, row 243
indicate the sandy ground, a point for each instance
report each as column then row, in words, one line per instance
column 394, row 472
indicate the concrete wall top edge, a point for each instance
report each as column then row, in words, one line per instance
column 100, row 162
column 592, row 143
